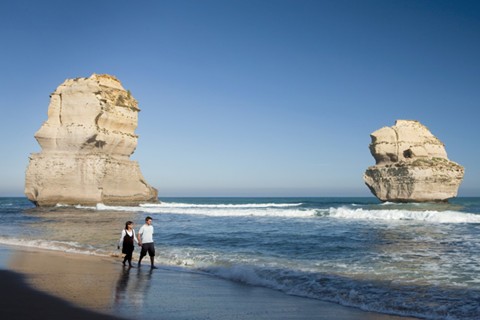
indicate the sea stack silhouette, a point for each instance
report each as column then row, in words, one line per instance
column 86, row 143
column 411, row 165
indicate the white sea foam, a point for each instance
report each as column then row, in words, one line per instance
column 388, row 203
column 220, row 206
column 263, row 210
column 78, row 206
column 9, row 204
column 392, row 215
column 64, row 246
column 292, row 210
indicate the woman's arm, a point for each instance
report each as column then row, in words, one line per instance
column 120, row 242
column 134, row 237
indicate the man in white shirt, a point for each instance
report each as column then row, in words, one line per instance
column 145, row 240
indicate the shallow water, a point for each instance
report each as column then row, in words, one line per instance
column 407, row 259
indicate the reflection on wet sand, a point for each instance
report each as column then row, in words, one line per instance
column 133, row 285
column 85, row 281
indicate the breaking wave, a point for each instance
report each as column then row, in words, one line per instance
column 296, row 210
column 398, row 215
column 221, row 210
column 221, row 206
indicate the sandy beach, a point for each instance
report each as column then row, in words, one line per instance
column 41, row 284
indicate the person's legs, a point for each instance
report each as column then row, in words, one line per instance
column 129, row 257
column 143, row 253
column 125, row 252
column 151, row 253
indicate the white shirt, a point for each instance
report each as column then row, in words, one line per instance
column 124, row 232
column 146, row 232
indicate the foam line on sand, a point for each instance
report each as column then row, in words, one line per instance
column 56, row 285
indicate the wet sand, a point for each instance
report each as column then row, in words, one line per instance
column 41, row 284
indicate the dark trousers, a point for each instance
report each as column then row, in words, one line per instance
column 128, row 251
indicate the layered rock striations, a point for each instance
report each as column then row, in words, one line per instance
column 86, row 146
column 411, row 165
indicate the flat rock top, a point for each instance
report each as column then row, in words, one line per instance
column 105, row 80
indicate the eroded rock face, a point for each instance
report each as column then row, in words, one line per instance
column 411, row 165
column 86, row 146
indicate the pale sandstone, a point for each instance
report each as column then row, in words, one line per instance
column 86, row 145
column 411, row 165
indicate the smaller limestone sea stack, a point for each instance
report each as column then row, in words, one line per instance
column 86, row 145
column 411, row 165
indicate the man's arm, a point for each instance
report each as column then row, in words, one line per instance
column 139, row 236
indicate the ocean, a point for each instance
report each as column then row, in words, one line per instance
column 420, row 260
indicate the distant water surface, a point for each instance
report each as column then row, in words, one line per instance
column 407, row 259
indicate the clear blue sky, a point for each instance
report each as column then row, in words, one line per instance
column 250, row 98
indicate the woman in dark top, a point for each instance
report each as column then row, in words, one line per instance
column 127, row 240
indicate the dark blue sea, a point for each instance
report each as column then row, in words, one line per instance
column 418, row 260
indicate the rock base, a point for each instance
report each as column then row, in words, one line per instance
column 86, row 180
column 436, row 181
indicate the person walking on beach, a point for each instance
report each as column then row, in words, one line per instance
column 145, row 240
column 127, row 239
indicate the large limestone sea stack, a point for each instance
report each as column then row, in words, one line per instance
column 86, row 146
column 411, row 165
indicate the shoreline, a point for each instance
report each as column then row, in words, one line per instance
column 58, row 285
